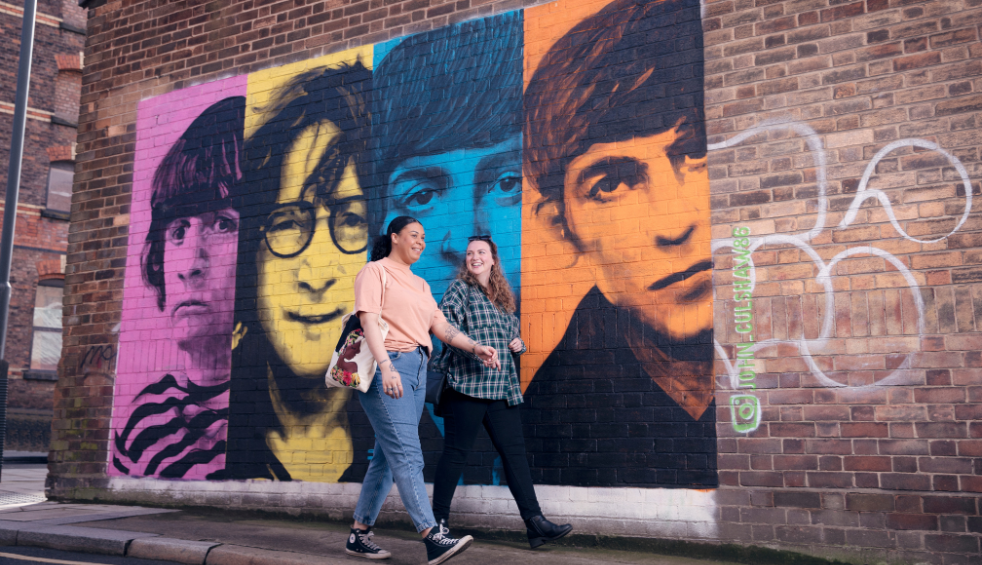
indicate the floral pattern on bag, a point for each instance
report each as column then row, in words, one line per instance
column 344, row 371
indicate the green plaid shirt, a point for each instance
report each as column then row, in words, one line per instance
column 472, row 312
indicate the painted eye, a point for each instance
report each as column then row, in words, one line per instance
column 284, row 223
column 509, row 184
column 614, row 181
column 178, row 232
column 421, row 197
column 606, row 179
column 225, row 224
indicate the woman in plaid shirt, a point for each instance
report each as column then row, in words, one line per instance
column 480, row 303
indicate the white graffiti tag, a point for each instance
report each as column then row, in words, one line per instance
column 806, row 347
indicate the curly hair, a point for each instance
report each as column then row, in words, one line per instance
column 498, row 290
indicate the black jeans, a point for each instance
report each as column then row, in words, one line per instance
column 462, row 418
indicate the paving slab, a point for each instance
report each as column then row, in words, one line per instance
column 57, row 513
column 169, row 549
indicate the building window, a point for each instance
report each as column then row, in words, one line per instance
column 60, row 178
column 46, row 347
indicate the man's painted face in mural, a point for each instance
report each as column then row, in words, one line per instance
column 199, row 270
column 311, row 252
column 646, row 227
column 457, row 194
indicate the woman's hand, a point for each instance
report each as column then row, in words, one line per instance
column 391, row 381
column 516, row 345
column 488, row 355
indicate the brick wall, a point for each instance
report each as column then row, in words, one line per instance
column 896, row 466
column 847, row 375
column 38, row 238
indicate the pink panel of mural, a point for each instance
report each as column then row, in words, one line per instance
column 170, row 408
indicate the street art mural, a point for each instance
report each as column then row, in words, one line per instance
column 460, row 128
column 574, row 134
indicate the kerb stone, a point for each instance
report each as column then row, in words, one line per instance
column 75, row 538
column 169, row 549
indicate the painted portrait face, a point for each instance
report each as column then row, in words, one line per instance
column 199, row 274
column 457, row 194
column 645, row 227
column 311, row 252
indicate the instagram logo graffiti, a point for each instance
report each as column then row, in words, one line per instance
column 746, row 412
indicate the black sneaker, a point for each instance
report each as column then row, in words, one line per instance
column 440, row 546
column 360, row 544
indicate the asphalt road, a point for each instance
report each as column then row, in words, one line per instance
column 37, row 555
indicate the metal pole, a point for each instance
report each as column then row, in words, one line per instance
column 10, row 202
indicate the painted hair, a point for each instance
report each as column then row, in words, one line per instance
column 200, row 173
column 452, row 88
column 336, row 95
column 498, row 290
column 383, row 243
column 633, row 69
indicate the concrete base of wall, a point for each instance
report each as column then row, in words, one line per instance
column 663, row 513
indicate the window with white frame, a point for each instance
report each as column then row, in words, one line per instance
column 46, row 344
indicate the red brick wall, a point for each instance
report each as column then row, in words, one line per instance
column 37, row 238
column 893, row 467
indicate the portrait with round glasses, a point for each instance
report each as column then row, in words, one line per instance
column 301, row 249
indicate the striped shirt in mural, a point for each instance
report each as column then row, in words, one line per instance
column 467, row 308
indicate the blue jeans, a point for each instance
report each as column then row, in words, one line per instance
column 397, row 454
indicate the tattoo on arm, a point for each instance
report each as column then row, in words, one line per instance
column 452, row 332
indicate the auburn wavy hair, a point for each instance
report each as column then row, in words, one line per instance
column 498, row 289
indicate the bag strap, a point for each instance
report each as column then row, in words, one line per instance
column 385, row 281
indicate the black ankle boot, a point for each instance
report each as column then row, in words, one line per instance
column 541, row 530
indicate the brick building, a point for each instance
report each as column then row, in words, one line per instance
column 744, row 234
column 37, row 274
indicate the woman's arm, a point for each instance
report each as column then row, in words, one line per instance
column 454, row 308
column 450, row 335
column 391, row 381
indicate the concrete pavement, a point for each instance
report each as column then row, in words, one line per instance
column 21, row 484
column 215, row 537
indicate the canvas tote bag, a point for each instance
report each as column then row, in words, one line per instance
column 353, row 365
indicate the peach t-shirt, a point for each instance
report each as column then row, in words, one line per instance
column 409, row 307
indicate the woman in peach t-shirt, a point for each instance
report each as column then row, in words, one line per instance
column 395, row 399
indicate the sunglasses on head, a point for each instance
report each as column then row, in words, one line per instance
column 478, row 238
